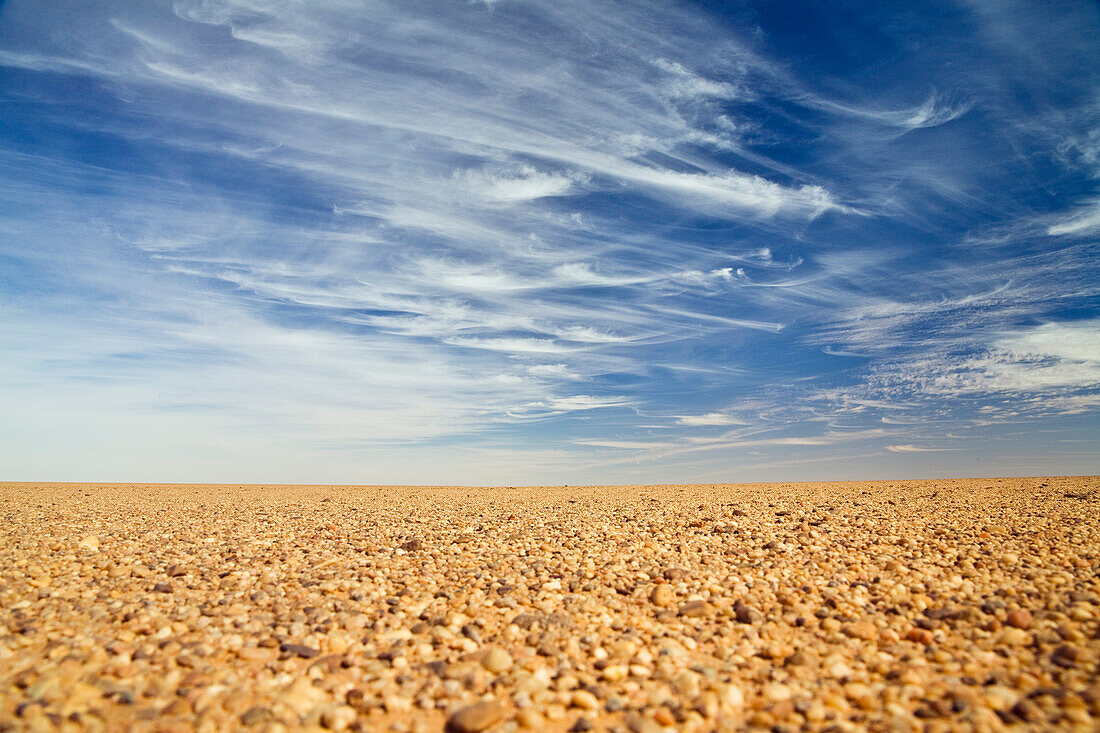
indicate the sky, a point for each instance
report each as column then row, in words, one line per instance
column 517, row 242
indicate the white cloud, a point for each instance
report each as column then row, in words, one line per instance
column 511, row 345
column 934, row 111
column 523, row 183
column 1083, row 221
column 710, row 418
column 909, row 448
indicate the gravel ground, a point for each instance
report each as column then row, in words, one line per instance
column 921, row 605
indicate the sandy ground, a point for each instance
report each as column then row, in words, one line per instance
column 921, row 605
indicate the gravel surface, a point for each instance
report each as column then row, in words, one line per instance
column 922, row 605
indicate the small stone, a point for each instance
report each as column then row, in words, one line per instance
column 864, row 630
column 255, row 714
column 1020, row 618
column 338, row 717
column 747, row 614
column 1064, row 656
column 661, row 595
column 301, row 696
column 1000, row 698
column 584, row 699
column 615, row 672
column 1027, row 711
column 663, row 716
column 637, row 724
column 581, row 726
column 162, row 588
column 531, row 719
column 525, row 620
column 732, row 696
column 299, row 650
column 476, row 717
column 920, row 636
column 776, row 692
column 497, row 661
column 798, row 659
column 413, row 545
column 89, row 542
column 694, row 609
column 255, row 654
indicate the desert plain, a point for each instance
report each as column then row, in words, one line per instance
column 904, row 605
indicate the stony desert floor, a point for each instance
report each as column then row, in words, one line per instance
column 922, row 605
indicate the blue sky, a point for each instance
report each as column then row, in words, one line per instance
column 518, row 242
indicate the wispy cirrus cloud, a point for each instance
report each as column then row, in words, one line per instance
column 587, row 237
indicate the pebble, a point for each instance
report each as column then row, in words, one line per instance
column 864, row 630
column 776, row 692
column 694, row 609
column 477, row 717
column 255, row 714
column 1020, row 618
column 661, row 595
column 841, row 606
column 497, row 661
column 920, row 636
column 581, row 725
column 301, row 650
column 1064, row 656
column 585, row 700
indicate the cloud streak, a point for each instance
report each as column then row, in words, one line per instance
column 603, row 237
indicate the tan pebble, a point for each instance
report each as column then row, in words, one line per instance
column 637, row 724
column 686, row 684
column 338, row 717
column 864, row 630
column 584, row 699
column 861, row 694
column 731, row 696
column 695, row 609
column 476, row 717
column 497, row 661
column 1015, row 637
column 762, row 719
column 530, row 719
column 615, row 672
column 775, row 651
column 257, row 654
column 89, row 542
column 397, row 703
column 661, row 595
column 179, row 706
column 301, row 696
column 782, row 709
column 999, row 698
column 254, row 714
column 775, row 692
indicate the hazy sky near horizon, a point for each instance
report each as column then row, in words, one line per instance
column 518, row 242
